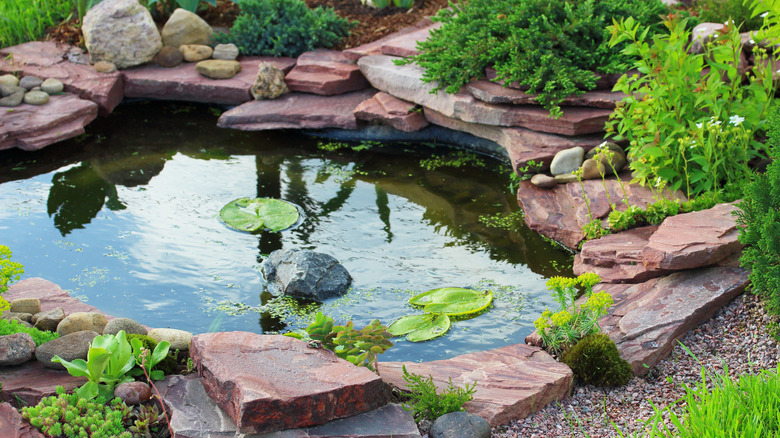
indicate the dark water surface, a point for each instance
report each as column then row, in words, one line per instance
column 126, row 218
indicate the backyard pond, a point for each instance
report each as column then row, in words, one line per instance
column 126, row 218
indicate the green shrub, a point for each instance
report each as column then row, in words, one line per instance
column 595, row 360
column 759, row 217
column 284, row 28
column 425, row 403
column 721, row 11
column 28, row 20
column 8, row 327
column 551, row 47
column 9, row 271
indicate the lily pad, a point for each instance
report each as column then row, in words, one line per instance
column 410, row 323
column 256, row 214
column 438, row 327
column 453, row 301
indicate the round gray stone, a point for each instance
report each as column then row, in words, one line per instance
column 26, row 305
column 543, row 181
column 49, row 319
column 30, row 82
column 16, row 349
column 68, row 347
column 7, row 90
column 306, row 274
column 228, row 52
column 12, row 100
column 9, row 79
column 179, row 339
column 79, row 321
column 133, row 393
column 52, row 85
column 460, row 425
column 567, row 161
column 36, row 98
column 614, row 153
column 128, row 325
column 592, row 169
column 21, row 316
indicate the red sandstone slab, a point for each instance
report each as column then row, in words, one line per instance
column 296, row 111
column 388, row 110
column 375, row 47
column 31, row 381
column 46, row 59
column 13, row 426
column 617, row 258
column 492, row 92
column 406, row 45
column 693, row 240
column 325, row 72
column 50, row 295
column 512, row 382
column 267, row 383
column 33, row 127
column 522, row 145
column 150, row 81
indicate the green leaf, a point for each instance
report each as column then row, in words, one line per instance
column 410, row 323
column 453, row 300
column 157, row 375
column 88, row 391
column 438, row 327
column 97, row 360
column 160, row 352
column 256, row 214
column 77, row 368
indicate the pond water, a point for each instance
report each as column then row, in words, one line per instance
column 127, row 219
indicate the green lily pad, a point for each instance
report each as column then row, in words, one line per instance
column 453, row 301
column 245, row 214
column 438, row 327
column 410, row 323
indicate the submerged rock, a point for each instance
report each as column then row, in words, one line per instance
column 306, row 274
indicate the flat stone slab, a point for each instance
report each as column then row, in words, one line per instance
column 405, row 45
column 195, row 415
column 559, row 213
column 512, row 382
column 375, row 47
column 150, row 81
column 684, row 241
column 50, row 295
column 522, row 145
column 388, row 110
column 12, row 425
column 33, row 127
column 267, row 383
column 45, row 59
column 492, row 92
column 31, row 381
column 405, row 82
column 296, row 111
column 325, row 72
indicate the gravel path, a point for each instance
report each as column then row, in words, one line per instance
column 737, row 336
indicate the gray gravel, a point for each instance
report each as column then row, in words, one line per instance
column 738, row 336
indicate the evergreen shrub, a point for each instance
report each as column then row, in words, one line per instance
column 595, row 360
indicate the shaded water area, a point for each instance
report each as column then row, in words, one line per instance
column 127, row 219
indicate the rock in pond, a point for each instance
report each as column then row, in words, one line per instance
column 26, row 305
column 185, row 27
column 460, row 425
column 122, row 32
column 269, row 83
column 76, row 322
column 16, row 349
column 195, row 52
column 567, row 161
column 227, row 52
column 306, row 274
column 179, row 339
column 128, row 325
column 48, row 320
column 52, row 85
column 36, row 98
column 218, row 69
column 133, row 393
column 68, row 347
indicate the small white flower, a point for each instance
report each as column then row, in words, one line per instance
column 764, row 15
column 736, row 120
column 752, row 42
column 658, row 182
column 699, row 125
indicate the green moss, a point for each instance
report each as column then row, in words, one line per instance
column 8, row 327
column 595, row 360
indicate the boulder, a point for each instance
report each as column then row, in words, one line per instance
column 492, row 92
column 405, row 82
column 26, row 305
column 296, row 111
column 195, row 52
column 185, row 27
column 48, row 320
column 16, row 349
column 30, row 82
column 543, row 181
column 218, row 69
column 122, row 32
column 179, row 339
column 9, row 79
column 460, row 425
column 184, row 83
column 27, row 385
column 269, row 83
column 567, row 161
column 512, row 382
column 388, row 110
column 133, row 393
column 80, row 321
column 12, row 425
column 325, row 72
column 69, row 347
column 52, row 86
column 267, row 383
column 128, row 325
column 305, row 274
column 36, row 97
column 227, row 52
column 169, row 57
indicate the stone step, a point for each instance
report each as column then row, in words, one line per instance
column 45, row 59
column 32, row 127
column 325, row 72
column 267, row 383
column 512, row 382
column 492, row 92
column 195, row 415
column 388, row 110
column 405, row 82
column 684, row 241
column 150, row 81
column 297, row 111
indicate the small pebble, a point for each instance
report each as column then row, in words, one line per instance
column 36, row 98
column 52, row 85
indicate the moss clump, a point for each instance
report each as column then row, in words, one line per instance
column 169, row 365
column 9, row 327
column 595, row 360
